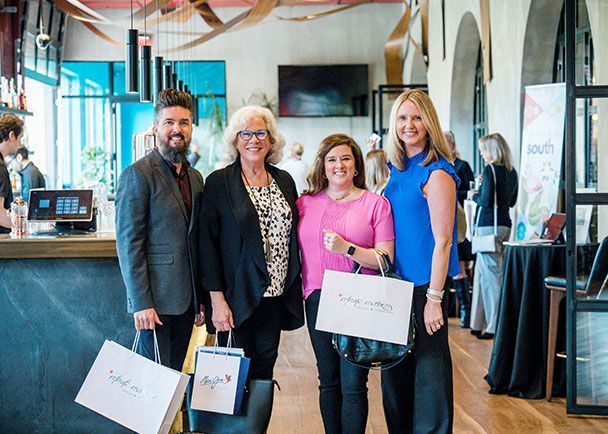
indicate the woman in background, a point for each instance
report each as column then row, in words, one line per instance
column 340, row 222
column 461, row 281
column 488, row 266
column 376, row 171
column 417, row 393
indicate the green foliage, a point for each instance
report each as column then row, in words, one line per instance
column 260, row 98
column 95, row 163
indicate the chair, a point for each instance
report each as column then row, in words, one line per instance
column 585, row 287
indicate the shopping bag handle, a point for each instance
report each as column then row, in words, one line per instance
column 156, row 350
column 382, row 267
column 229, row 343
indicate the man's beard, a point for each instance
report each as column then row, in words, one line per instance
column 174, row 155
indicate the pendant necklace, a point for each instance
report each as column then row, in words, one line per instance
column 267, row 217
column 344, row 196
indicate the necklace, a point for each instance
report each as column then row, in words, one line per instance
column 342, row 197
column 265, row 217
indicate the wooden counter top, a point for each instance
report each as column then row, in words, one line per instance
column 98, row 245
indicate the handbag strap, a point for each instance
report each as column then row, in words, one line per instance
column 495, row 219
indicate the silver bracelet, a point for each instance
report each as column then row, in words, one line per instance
column 433, row 299
column 435, row 293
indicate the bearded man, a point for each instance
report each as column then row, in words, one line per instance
column 158, row 203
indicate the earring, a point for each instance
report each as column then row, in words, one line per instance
column 356, row 173
column 324, row 177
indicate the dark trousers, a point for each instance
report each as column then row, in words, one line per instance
column 343, row 386
column 173, row 338
column 417, row 394
column 259, row 337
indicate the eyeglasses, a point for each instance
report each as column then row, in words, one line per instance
column 248, row 134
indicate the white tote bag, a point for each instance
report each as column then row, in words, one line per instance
column 220, row 376
column 132, row 390
column 366, row 306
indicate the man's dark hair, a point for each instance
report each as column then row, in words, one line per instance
column 23, row 152
column 9, row 122
column 172, row 98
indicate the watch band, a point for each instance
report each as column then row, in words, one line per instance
column 435, row 293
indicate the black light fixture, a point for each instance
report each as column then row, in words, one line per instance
column 195, row 109
column 145, row 63
column 174, row 80
column 167, row 76
column 158, row 76
column 180, row 84
column 145, row 91
column 132, row 35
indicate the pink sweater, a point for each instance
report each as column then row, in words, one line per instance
column 365, row 221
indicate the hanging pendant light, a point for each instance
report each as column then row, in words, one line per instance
column 145, row 72
column 132, row 36
column 180, row 84
column 157, row 73
column 167, row 76
column 145, row 84
column 174, row 80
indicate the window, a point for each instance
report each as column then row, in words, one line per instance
column 480, row 113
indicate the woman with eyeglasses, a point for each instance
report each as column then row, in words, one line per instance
column 250, row 261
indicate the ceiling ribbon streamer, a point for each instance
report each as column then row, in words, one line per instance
column 310, row 17
column 393, row 49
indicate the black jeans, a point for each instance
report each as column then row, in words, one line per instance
column 259, row 337
column 343, row 386
column 173, row 339
column 417, row 394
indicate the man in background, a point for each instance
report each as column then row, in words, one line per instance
column 297, row 168
column 11, row 131
column 30, row 175
column 158, row 203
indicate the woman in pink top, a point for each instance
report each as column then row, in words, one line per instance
column 340, row 222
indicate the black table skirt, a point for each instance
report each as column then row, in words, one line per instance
column 519, row 357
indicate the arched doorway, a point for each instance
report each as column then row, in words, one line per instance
column 467, row 118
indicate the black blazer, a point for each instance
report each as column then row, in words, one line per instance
column 232, row 254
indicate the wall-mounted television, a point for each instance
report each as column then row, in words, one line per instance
column 323, row 90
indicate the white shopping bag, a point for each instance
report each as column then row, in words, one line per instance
column 366, row 306
column 220, row 376
column 132, row 390
column 470, row 207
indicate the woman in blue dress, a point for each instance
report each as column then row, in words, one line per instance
column 417, row 394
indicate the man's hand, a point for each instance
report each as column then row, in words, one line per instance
column 146, row 319
column 199, row 318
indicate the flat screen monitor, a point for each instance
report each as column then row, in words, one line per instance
column 323, row 90
column 61, row 205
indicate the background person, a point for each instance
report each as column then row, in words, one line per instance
column 11, row 132
column 158, row 202
column 418, row 393
column 31, row 177
column 251, row 261
column 376, row 171
column 340, row 222
column 461, row 281
column 297, row 168
column 488, row 266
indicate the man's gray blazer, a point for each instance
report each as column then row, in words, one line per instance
column 157, row 245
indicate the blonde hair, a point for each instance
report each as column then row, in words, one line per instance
column 376, row 170
column 296, row 149
column 497, row 149
column 316, row 178
column 451, row 142
column 239, row 121
column 436, row 144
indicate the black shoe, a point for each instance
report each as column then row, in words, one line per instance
column 486, row 336
column 476, row 332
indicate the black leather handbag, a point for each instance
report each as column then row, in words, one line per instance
column 370, row 353
column 254, row 417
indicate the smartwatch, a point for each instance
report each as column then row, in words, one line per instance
column 351, row 251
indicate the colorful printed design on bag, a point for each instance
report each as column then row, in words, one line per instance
column 129, row 387
column 214, row 381
column 366, row 304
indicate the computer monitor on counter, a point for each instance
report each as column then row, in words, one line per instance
column 70, row 210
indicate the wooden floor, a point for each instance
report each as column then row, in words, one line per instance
column 476, row 411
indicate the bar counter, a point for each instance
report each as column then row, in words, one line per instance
column 60, row 298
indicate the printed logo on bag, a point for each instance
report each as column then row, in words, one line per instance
column 128, row 386
column 215, row 381
column 365, row 303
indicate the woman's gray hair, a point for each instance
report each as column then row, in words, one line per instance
column 238, row 122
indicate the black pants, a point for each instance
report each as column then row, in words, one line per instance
column 417, row 394
column 343, row 386
column 259, row 336
column 173, row 338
